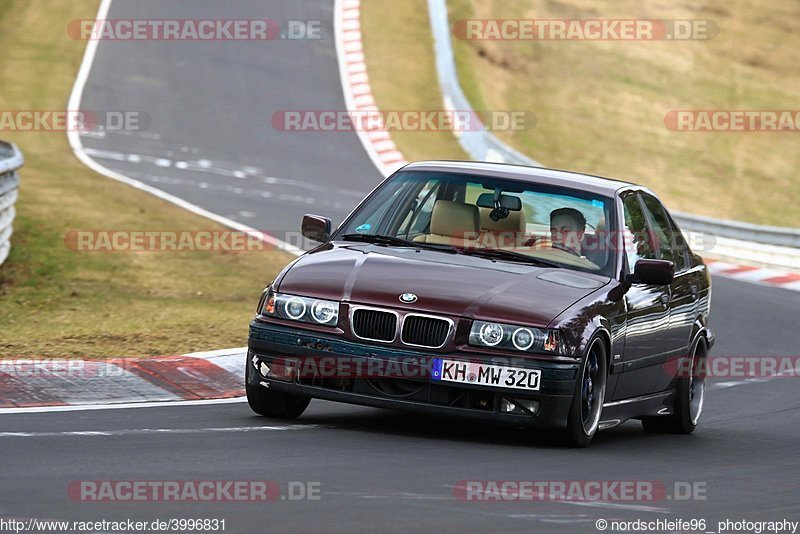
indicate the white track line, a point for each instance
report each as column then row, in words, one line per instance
column 77, row 147
column 140, row 431
column 121, row 406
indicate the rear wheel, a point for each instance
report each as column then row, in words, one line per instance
column 690, row 395
column 272, row 403
column 587, row 401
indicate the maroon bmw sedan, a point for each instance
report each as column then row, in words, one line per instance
column 516, row 294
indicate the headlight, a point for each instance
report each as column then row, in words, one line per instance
column 491, row 334
column 510, row 337
column 324, row 311
column 304, row 309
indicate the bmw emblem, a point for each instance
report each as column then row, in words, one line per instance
column 408, row 298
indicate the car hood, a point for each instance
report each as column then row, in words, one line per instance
column 444, row 283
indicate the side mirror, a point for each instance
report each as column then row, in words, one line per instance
column 652, row 272
column 316, row 228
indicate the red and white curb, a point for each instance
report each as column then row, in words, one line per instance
column 758, row 275
column 355, row 84
column 36, row 383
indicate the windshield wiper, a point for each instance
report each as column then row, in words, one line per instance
column 397, row 242
column 499, row 254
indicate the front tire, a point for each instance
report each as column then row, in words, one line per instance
column 272, row 403
column 587, row 401
column 690, row 395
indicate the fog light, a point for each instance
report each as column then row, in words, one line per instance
column 507, row 406
column 278, row 369
column 520, row 406
column 530, row 405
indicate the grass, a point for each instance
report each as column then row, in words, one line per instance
column 55, row 302
column 600, row 106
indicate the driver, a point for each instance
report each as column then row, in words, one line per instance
column 567, row 226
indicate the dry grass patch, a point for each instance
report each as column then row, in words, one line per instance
column 60, row 303
column 601, row 105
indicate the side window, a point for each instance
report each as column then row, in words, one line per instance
column 682, row 252
column 636, row 233
column 662, row 232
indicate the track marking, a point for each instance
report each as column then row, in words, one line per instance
column 121, row 406
column 618, row 506
column 752, row 380
column 591, row 504
column 145, row 431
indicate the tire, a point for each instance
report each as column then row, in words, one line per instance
column 689, row 398
column 272, row 403
column 588, row 397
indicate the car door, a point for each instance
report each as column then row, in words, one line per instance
column 647, row 310
column 684, row 304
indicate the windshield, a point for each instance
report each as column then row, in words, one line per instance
column 505, row 220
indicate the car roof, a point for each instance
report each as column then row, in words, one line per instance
column 543, row 175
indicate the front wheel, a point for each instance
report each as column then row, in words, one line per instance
column 588, row 398
column 689, row 397
column 272, row 403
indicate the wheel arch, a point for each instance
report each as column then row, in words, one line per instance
column 601, row 332
column 699, row 332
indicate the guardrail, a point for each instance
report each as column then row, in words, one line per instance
column 10, row 161
column 482, row 145
column 768, row 235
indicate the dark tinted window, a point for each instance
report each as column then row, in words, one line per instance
column 636, row 233
column 662, row 231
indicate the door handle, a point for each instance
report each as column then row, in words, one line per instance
column 664, row 299
column 694, row 293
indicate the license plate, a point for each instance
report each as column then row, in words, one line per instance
column 486, row 375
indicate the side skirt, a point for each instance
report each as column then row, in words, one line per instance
column 651, row 405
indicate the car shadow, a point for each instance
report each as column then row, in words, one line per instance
column 401, row 424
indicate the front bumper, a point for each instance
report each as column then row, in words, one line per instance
column 337, row 365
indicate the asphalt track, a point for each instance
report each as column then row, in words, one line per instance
column 378, row 470
column 206, row 108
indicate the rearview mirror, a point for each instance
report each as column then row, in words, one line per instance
column 316, row 228
column 509, row 202
column 653, row 272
